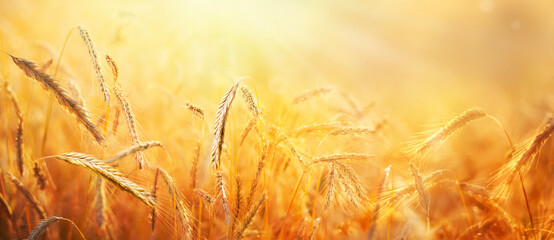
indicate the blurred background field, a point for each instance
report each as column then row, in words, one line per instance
column 412, row 64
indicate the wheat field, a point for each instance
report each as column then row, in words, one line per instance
column 276, row 120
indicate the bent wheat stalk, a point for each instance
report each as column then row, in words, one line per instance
column 448, row 129
column 50, row 84
column 41, row 228
column 108, row 173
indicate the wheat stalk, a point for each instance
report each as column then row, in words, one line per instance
column 154, row 191
column 198, row 111
column 30, row 198
column 219, row 126
column 101, row 205
column 249, row 217
column 424, row 198
column 330, row 187
column 39, row 174
column 521, row 162
column 448, row 129
column 184, row 213
column 195, row 162
column 249, row 99
column 221, row 195
column 41, row 228
column 251, row 123
column 309, row 94
column 116, row 120
column 108, row 173
column 134, row 149
column 49, row 83
column 6, row 207
column 113, row 65
column 131, row 122
column 314, row 229
column 341, row 156
column 85, row 35
column 75, row 93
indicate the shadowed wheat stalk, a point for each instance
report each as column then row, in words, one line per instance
column 43, row 226
column 49, row 83
column 30, row 198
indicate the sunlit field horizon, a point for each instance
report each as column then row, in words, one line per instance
column 276, row 119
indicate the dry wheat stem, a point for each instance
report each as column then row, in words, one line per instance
column 49, row 83
column 219, row 126
column 93, row 52
column 108, row 173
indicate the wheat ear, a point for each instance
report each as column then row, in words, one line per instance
column 134, row 149
column 108, row 173
column 93, row 52
column 196, row 110
column 222, row 195
column 41, row 228
column 314, row 229
column 101, row 205
column 30, row 198
column 424, row 198
column 19, row 131
column 219, row 126
column 309, row 94
column 448, row 129
column 49, row 83
column 249, row 217
column 131, row 122
column 249, row 99
column 521, row 162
